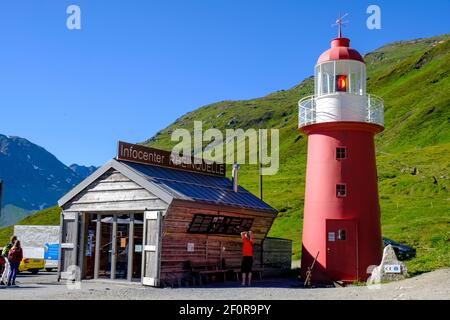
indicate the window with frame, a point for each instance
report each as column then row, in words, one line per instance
column 212, row 224
column 342, row 234
column 200, row 224
column 341, row 153
column 341, row 190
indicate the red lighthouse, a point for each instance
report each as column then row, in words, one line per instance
column 341, row 211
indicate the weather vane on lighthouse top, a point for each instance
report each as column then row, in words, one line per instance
column 340, row 22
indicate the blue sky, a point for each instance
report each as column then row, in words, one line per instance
column 137, row 65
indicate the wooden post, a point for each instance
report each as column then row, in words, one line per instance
column 81, row 241
column 61, row 240
column 206, row 249
column 152, row 248
column 261, row 257
column 114, row 248
column 75, row 239
column 220, row 255
column 144, row 242
column 98, row 238
column 130, row 248
column 69, row 243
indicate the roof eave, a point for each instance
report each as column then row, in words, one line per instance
column 123, row 169
column 221, row 205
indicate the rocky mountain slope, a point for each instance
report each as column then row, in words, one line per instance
column 82, row 171
column 33, row 178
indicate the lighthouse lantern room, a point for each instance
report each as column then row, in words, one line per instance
column 341, row 211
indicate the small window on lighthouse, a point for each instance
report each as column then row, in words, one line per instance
column 341, row 153
column 341, row 190
column 341, row 83
column 342, row 234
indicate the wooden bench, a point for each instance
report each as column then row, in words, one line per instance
column 206, row 269
column 202, row 270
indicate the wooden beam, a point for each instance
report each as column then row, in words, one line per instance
column 144, row 243
column 114, row 248
column 98, row 237
column 61, row 232
column 75, row 240
column 117, row 206
column 158, row 247
column 222, row 208
column 130, row 248
column 81, row 241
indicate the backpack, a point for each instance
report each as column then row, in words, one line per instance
column 15, row 255
column 6, row 249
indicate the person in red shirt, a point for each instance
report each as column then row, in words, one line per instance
column 15, row 256
column 247, row 256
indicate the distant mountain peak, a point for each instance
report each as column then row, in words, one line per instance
column 33, row 178
column 82, row 171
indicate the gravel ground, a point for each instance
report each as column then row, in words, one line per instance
column 433, row 285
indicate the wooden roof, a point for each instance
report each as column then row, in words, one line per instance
column 170, row 184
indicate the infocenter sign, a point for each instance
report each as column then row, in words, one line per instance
column 151, row 156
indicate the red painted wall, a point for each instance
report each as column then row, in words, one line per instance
column 358, row 171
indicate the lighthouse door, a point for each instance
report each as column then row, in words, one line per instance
column 342, row 246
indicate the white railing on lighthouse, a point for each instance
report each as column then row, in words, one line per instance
column 308, row 113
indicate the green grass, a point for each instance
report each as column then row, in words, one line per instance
column 413, row 78
column 47, row 217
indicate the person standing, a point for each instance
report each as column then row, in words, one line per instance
column 8, row 247
column 247, row 256
column 15, row 256
column 4, row 253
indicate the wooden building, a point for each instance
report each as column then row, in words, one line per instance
column 159, row 223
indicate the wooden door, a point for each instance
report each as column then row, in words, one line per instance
column 342, row 246
column 151, row 248
column 68, row 249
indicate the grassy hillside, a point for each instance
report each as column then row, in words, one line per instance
column 413, row 153
column 11, row 213
column 47, row 217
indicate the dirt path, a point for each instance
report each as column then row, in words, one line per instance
column 433, row 285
